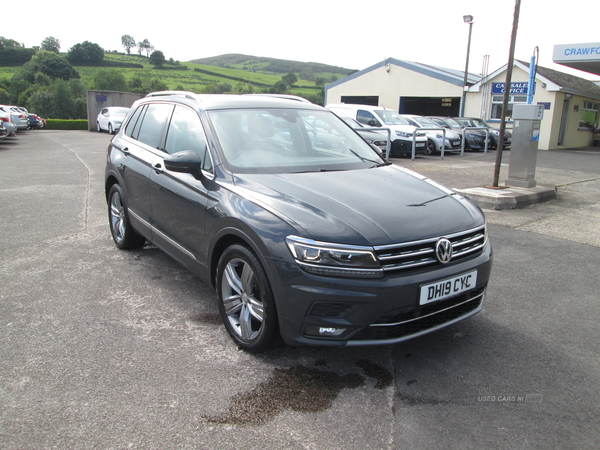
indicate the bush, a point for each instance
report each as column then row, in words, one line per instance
column 58, row 124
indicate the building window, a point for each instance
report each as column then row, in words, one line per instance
column 589, row 113
column 497, row 105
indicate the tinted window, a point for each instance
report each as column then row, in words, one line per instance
column 186, row 133
column 153, row 123
column 367, row 118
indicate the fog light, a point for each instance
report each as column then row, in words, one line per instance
column 313, row 330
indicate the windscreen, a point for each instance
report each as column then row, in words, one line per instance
column 427, row 123
column 390, row 117
column 454, row 123
column 289, row 141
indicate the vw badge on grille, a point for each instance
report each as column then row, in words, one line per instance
column 443, row 250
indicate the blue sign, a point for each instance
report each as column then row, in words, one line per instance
column 100, row 98
column 515, row 88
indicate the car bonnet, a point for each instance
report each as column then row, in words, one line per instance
column 375, row 206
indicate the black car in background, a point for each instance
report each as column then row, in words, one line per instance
column 317, row 240
column 493, row 132
column 474, row 139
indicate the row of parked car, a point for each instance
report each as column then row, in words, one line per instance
column 429, row 140
column 14, row 118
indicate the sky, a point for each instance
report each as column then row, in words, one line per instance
column 353, row 35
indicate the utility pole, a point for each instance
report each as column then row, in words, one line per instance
column 509, row 70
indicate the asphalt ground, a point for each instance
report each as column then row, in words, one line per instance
column 106, row 349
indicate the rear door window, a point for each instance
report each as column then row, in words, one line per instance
column 133, row 126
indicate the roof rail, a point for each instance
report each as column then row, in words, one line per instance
column 186, row 94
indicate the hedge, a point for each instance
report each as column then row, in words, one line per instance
column 59, row 124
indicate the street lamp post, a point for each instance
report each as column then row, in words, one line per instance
column 469, row 20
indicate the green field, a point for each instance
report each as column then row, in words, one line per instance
column 230, row 73
column 184, row 76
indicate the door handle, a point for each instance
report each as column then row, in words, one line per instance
column 158, row 169
column 125, row 151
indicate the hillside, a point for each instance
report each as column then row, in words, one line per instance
column 264, row 64
column 232, row 73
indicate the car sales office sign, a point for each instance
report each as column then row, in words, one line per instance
column 515, row 88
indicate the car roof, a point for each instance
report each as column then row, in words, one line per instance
column 227, row 101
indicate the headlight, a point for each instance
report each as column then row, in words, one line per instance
column 403, row 134
column 335, row 260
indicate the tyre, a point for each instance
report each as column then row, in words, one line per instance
column 110, row 128
column 430, row 149
column 246, row 301
column 123, row 234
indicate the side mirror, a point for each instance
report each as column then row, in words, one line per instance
column 186, row 161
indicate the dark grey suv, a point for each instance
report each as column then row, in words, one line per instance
column 304, row 235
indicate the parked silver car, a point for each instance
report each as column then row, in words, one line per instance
column 19, row 117
column 435, row 138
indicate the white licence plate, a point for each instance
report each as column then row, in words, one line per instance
column 420, row 144
column 447, row 288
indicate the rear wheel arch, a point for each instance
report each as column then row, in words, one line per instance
column 110, row 181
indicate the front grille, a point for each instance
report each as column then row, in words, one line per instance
column 398, row 325
column 408, row 256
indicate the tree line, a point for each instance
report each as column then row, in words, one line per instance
column 48, row 83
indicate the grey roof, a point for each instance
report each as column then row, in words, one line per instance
column 568, row 83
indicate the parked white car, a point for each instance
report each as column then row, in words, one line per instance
column 380, row 117
column 110, row 118
column 435, row 138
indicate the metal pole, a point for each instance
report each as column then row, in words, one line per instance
column 509, row 69
column 532, row 71
column 464, row 94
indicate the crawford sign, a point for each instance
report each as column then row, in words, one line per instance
column 576, row 52
column 515, row 88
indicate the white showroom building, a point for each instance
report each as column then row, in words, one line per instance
column 570, row 103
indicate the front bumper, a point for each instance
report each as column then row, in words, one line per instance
column 404, row 147
column 453, row 145
column 374, row 312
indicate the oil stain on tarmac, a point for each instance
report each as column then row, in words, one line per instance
column 299, row 388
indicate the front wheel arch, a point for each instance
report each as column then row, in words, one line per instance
column 246, row 300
